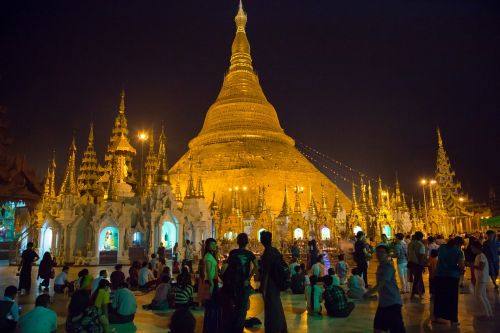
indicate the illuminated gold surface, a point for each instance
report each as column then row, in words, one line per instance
column 242, row 143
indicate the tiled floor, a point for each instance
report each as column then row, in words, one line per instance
column 416, row 314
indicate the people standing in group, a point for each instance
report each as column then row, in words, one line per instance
column 61, row 282
column 242, row 265
column 117, row 277
column 28, row 257
column 450, row 264
column 45, row 271
column 491, row 249
column 431, row 245
column 103, row 275
column 388, row 316
column 188, row 255
column 336, row 303
column 417, row 262
column 161, row 251
column 123, row 306
column 481, row 267
column 274, row 316
column 401, row 253
column 342, row 268
column 9, row 310
column 360, row 255
column 82, row 316
column 212, row 317
column 40, row 319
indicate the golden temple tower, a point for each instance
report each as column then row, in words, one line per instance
column 88, row 173
column 69, row 183
column 242, row 143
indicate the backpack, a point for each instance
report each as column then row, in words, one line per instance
column 282, row 274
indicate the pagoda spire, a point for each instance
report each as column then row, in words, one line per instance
column 363, row 202
column 178, row 194
column 69, row 183
column 398, row 192
column 297, row 208
column 371, row 203
column 313, row 207
column 380, row 194
column 200, row 193
column 53, row 177
column 121, row 110
column 354, row 201
column 162, row 176
column 337, row 206
column 49, row 185
column 413, row 210
column 88, row 173
column 190, row 191
column 324, row 204
column 285, row 208
column 151, row 165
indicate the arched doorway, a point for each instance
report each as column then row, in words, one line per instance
column 258, row 233
column 298, row 234
column 357, row 228
column 325, row 233
column 45, row 239
column 108, row 246
column 168, row 234
column 138, row 239
column 387, row 230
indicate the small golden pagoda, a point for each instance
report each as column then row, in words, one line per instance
column 242, row 144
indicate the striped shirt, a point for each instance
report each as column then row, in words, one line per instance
column 183, row 295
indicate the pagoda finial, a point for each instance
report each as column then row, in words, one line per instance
column 122, row 101
column 178, row 194
column 440, row 140
column 324, row 204
column 69, row 183
column 200, row 192
column 88, row 172
column 190, row 191
column 162, row 176
column 297, row 208
column 240, row 18
column 285, row 208
column 91, row 134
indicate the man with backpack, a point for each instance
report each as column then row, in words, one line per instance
column 241, row 266
column 275, row 277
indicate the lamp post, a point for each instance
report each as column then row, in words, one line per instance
column 423, row 182
column 143, row 137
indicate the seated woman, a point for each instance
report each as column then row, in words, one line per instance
column 184, row 291
column 313, row 297
column 335, row 277
column 82, row 317
column 356, row 285
column 298, row 281
column 336, row 303
column 101, row 299
column 160, row 301
column 84, row 281
column 133, row 272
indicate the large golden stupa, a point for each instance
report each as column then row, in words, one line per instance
column 242, row 145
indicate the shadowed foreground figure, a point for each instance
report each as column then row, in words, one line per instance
column 274, row 316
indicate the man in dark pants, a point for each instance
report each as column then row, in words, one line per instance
column 360, row 255
column 417, row 262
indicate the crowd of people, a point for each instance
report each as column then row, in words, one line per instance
column 223, row 284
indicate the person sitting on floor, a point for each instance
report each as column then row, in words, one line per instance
column 298, row 281
column 117, row 277
column 133, row 272
column 40, row 319
column 182, row 321
column 184, row 291
column 293, row 264
column 336, row 303
column 61, row 282
column 356, row 285
column 313, row 297
column 103, row 274
column 335, row 277
column 160, row 301
column 9, row 310
column 101, row 299
column 84, row 281
column 82, row 316
column 123, row 307
column 318, row 269
column 342, row 268
column 146, row 277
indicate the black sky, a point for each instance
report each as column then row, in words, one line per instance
column 363, row 81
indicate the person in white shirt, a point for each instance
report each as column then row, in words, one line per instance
column 481, row 270
column 9, row 309
column 40, row 319
column 61, row 282
column 292, row 266
column 103, row 275
column 146, row 277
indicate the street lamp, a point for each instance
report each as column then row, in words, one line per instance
column 143, row 137
column 423, row 182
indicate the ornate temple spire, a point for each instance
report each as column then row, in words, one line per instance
column 324, row 204
column 363, row 202
column 380, row 194
column 404, row 204
column 69, row 183
column 162, row 176
column 413, row 210
column 151, row 165
column 313, row 207
column 200, row 193
column 49, row 192
column 190, row 190
column 285, row 208
column 46, row 184
column 337, row 206
column 261, row 200
column 297, row 208
column 431, row 196
column 371, row 203
column 88, row 173
column 397, row 195
column 178, row 194
column 354, row 201
column 53, row 177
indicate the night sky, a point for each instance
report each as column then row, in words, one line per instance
column 363, row 81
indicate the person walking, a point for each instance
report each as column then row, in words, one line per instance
column 481, row 268
column 451, row 262
column 45, row 271
column 360, row 253
column 24, row 270
column 212, row 318
column 242, row 265
column 274, row 316
column 490, row 248
column 388, row 316
column 417, row 262
column 401, row 253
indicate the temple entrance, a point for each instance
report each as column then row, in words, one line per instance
column 108, row 246
column 45, row 240
column 387, row 230
column 298, row 234
column 138, row 239
column 325, row 233
column 168, row 234
column 357, row 228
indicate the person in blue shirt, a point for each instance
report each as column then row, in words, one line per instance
column 9, row 310
column 490, row 248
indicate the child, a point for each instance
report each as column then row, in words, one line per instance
column 481, row 269
column 342, row 268
column 356, row 284
column 313, row 297
column 298, row 281
column 388, row 316
column 432, row 269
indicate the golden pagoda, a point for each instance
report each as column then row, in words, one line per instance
column 242, row 144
